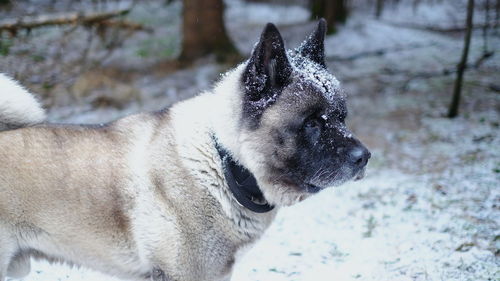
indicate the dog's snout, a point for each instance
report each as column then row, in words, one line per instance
column 359, row 156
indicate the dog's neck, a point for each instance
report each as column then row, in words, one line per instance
column 226, row 96
column 238, row 169
column 217, row 111
column 242, row 183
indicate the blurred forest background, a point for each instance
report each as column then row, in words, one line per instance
column 429, row 208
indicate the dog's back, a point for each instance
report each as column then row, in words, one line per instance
column 59, row 181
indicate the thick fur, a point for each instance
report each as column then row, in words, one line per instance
column 144, row 192
column 145, row 197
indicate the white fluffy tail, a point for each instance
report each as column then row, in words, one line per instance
column 18, row 108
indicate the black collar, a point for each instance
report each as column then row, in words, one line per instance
column 242, row 183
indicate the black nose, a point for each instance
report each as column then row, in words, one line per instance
column 359, row 156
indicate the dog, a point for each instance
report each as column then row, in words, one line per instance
column 177, row 194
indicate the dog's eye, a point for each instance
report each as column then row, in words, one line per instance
column 312, row 123
column 342, row 117
column 313, row 127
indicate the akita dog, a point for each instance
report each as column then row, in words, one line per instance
column 175, row 194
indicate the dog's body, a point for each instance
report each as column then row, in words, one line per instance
column 134, row 195
column 147, row 196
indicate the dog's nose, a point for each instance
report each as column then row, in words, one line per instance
column 359, row 156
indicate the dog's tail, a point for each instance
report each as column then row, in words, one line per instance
column 18, row 108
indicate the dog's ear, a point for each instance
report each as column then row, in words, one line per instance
column 313, row 47
column 268, row 68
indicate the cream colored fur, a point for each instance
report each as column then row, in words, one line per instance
column 142, row 194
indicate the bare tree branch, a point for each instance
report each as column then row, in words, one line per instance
column 75, row 18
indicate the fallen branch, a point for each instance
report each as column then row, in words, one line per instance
column 83, row 18
column 378, row 52
column 494, row 87
column 411, row 75
column 123, row 24
column 437, row 28
column 444, row 72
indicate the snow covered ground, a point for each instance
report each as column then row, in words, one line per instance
column 429, row 207
column 392, row 225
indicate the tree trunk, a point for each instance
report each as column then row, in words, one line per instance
column 415, row 5
column 204, row 31
column 497, row 16
column 379, row 8
column 486, row 26
column 334, row 11
column 457, row 89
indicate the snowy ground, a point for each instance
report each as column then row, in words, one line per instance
column 429, row 208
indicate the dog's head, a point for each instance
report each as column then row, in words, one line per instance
column 293, row 135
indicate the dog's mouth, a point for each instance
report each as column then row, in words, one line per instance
column 311, row 188
column 302, row 186
column 360, row 175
